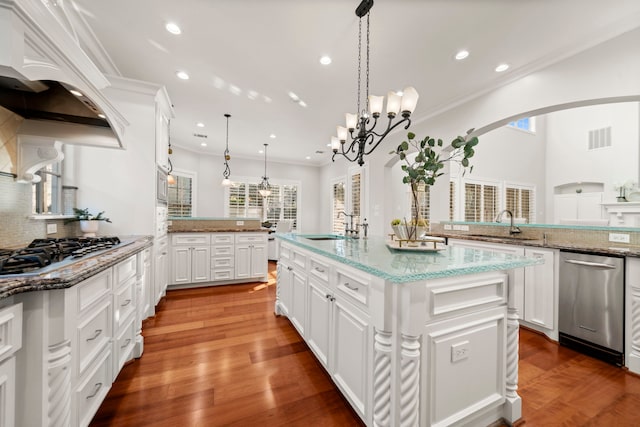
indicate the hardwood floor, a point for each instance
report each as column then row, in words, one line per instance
column 218, row 356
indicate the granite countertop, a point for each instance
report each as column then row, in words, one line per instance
column 374, row 257
column 72, row 274
column 220, row 230
column 612, row 249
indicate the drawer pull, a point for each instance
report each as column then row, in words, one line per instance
column 319, row 270
column 289, row 268
column 96, row 334
column 126, row 343
column 348, row 286
column 125, row 303
column 96, row 389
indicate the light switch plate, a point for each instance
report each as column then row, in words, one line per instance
column 461, row 227
column 447, row 226
column 52, row 228
column 619, row 237
column 239, row 222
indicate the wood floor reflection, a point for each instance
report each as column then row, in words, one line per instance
column 218, row 356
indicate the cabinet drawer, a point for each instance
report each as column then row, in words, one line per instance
column 251, row 238
column 218, row 263
column 94, row 333
column 285, row 251
column 126, row 269
column 299, row 259
column 92, row 290
column 221, row 250
column 124, row 300
column 222, row 275
column 190, row 239
column 222, row 239
column 91, row 392
column 10, row 330
column 319, row 270
column 354, row 286
column 124, row 343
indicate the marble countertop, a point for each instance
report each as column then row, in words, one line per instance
column 68, row 275
column 621, row 250
column 373, row 256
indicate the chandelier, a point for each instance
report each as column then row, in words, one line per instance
column 360, row 126
column 226, row 182
column 264, row 188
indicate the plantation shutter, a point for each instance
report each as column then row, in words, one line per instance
column 180, row 197
column 338, row 206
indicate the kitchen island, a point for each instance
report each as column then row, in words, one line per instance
column 422, row 337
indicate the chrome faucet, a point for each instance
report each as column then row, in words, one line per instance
column 512, row 228
column 349, row 230
column 365, row 227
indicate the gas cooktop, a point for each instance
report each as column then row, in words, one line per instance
column 44, row 254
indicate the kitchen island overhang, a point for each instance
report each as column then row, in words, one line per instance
column 410, row 338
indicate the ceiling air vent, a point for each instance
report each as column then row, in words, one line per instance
column 600, row 138
column 200, row 135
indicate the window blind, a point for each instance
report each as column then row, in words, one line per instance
column 338, row 206
column 180, row 197
column 356, row 181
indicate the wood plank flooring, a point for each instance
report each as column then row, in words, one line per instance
column 218, row 356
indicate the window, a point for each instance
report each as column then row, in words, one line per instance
column 180, row 196
column 452, row 200
column 520, row 201
column 243, row 200
column 480, row 202
column 527, row 124
column 356, row 188
column 423, row 200
column 338, row 206
column 47, row 194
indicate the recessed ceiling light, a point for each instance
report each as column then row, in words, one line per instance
column 200, row 124
column 308, row 157
column 293, row 97
column 173, row 28
column 102, row 116
column 462, row 55
column 325, row 60
column 182, row 75
column 272, row 136
column 502, row 67
column 204, row 144
column 75, row 92
column 260, row 151
column 329, row 145
column 302, row 103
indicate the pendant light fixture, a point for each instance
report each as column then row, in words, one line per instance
column 363, row 138
column 170, row 178
column 226, row 182
column 264, row 188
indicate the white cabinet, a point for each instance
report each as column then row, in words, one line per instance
column 164, row 112
column 161, row 272
column 222, row 257
column 251, row 256
column 190, row 258
column 540, row 289
column 10, row 343
column 319, row 304
column 126, row 329
column 569, row 208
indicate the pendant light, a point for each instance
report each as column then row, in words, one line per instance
column 226, row 182
column 264, row 188
column 356, row 124
column 171, row 180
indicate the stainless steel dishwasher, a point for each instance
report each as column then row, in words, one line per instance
column 591, row 305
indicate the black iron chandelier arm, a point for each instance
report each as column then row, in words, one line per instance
column 383, row 136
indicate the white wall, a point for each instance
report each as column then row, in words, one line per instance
column 122, row 182
column 569, row 160
column 210, row 194
column 604, row 73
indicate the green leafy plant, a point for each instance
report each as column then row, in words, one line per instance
column 84, row 215
column 395, row 221
column 430, row 159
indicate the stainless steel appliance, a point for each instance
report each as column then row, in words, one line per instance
column 591, row 305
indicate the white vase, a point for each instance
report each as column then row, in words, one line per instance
column 89, row 228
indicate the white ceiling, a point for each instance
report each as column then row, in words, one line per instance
column 238, row 52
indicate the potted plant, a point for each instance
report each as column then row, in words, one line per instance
column 427, row 166
column 88, row 222
column 399, row 229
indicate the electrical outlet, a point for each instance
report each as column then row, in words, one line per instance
column 459, row 351
column 239, row 222
column 52, row 228
column 460, row 227
column 447, row 227
column 619, row 237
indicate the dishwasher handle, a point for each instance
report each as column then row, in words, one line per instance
column 590, row 264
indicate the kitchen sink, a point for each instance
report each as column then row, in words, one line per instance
column 324, row 237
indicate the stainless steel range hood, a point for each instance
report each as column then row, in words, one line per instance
column 49, row 100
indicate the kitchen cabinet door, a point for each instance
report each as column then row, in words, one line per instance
column 350, row 346
column 539, row 288
column 200, row 264
column 259, row 262
column 298, row 311
column 243, row 261
column 283, row 303
column 181, row 265
column 318, row 324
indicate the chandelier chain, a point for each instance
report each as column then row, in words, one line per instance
column 367, row 94
column 359, row 62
